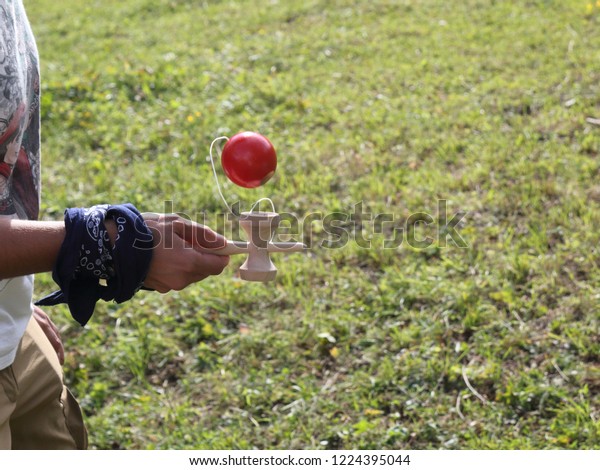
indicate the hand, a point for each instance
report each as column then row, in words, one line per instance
column 177, row 259
column 51, row 332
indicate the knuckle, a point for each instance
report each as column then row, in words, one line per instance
column 219, row 266
column 222, row 266
column 181, row 282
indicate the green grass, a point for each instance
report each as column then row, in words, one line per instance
column 395, row 104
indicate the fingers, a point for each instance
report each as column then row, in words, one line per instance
column 212, row 264
column 194, row 267
column 198, row 266
column 51, row 332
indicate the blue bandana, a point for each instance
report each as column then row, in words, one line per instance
column 88, row 268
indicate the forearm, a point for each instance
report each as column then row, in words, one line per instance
column 28, row 247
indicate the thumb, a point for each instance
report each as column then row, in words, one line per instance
column 198, row 236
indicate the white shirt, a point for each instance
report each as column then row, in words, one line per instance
column 15, row 312
column 19, row 159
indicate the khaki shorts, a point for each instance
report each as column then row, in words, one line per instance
column 37, row 411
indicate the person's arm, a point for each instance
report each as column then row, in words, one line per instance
column 29, row 247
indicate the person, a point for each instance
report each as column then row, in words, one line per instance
column 104, row 252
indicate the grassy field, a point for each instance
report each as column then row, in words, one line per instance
column 389, row 115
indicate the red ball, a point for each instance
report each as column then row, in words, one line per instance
column 249, row 159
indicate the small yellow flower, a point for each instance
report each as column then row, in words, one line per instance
column 207, row 329
column 598, row 3
column 589, row 7
column 190, row 118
